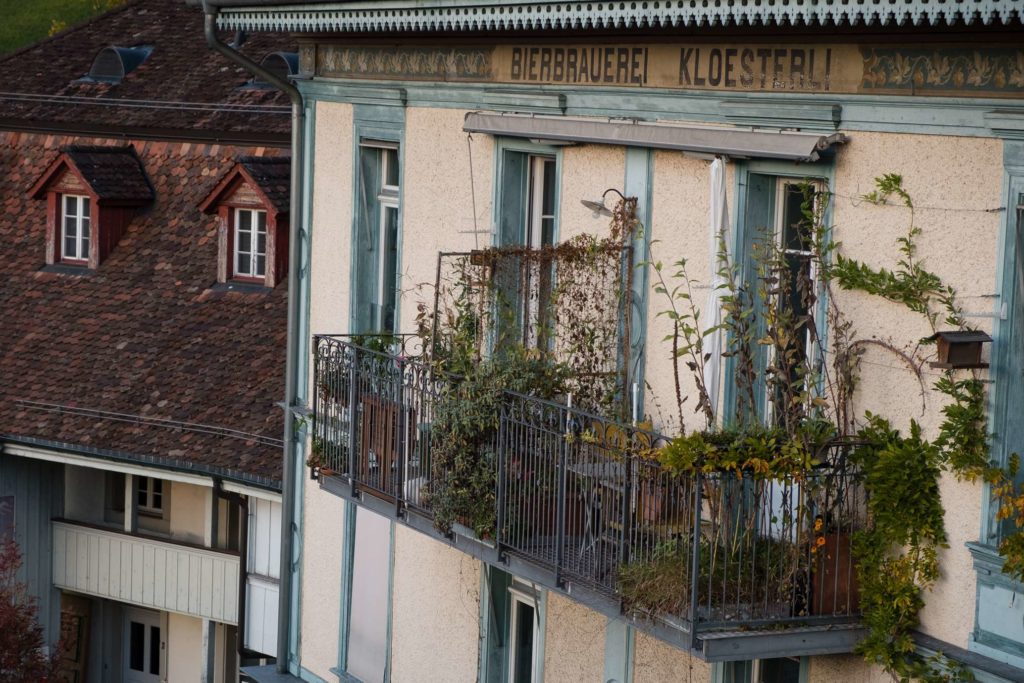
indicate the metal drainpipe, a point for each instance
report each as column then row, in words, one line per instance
column 292, row 347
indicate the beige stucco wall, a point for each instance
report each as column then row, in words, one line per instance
column 573, row 641
column 331, row 231
column 679, row 230
column 323, row 520
column 189, row 510
column 656, row 662
column 439, row 214
column 438, row 200
column 846, row 668
column 960, row 247
column 436, row 623
column 587, row 171
column 184, row 649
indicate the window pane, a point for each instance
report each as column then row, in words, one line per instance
column 243, row 264
column 523, row 643
column 390, row 269
column 782, row 670
column 144, row 483
column 136, row 646
column 158, row 485
column 156, row 501
column 154, row 650
column 85, row 243
column 244, row 242
column 86, row 210
column 70, row 205
column 141, row 498
column 69, row 247
column 261, row 242
column 261, row 221
column 391, row 164
column 244, row 220
column 796, row 228
column 548, row 206
column 261, row 266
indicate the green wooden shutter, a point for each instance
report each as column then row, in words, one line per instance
column 753, row 225
column 512, row 208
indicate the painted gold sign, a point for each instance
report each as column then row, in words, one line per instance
column 811, row 68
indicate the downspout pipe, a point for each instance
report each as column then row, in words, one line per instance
column 291, row 389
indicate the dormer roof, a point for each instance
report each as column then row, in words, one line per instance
column 113, row 174
column 269, row 177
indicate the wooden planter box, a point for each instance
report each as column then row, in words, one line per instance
column 834, row 587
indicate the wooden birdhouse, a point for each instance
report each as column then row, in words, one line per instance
column 959, row 349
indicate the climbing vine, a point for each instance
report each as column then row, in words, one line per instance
column 809, row 400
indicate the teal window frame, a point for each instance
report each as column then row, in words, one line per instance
column 374, row 247
column 499, row 591
column 511, row 206
column 756, row 190
column 744, row 671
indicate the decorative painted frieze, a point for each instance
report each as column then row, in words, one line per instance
column 469, row 64
column 984, row 69
column 734, row 67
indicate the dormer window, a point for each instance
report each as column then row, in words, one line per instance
column 251, row 202
column 250, row 243
column 92, row 194
column 75, row 228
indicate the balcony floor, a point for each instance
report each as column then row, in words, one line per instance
column 721, row 644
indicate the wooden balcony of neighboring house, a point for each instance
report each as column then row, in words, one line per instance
column 727, row 566
column 146, row 571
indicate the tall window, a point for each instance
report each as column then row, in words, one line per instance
column 375, row 257
column 777, row 235
column 250, row 243
column 523, row 639
column 513, row 634
column 527, row 217
column 75, row 222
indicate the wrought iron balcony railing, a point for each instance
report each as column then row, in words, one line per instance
column 585, row 499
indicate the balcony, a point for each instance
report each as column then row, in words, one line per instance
column 728, row 566
column 144, row 571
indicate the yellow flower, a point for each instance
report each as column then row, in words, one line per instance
column 818, row 523
column 820, row 542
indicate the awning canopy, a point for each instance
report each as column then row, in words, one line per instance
column 737, row 143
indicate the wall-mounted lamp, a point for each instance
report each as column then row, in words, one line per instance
column 598, row 206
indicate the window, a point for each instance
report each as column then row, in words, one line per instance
column 513, row 634
column 75, row 222
column 523, row 637
column 149, row 497
column 776, row 670
column 375, row 257
column 250, row 242
column 777, row 224
column 527, row 216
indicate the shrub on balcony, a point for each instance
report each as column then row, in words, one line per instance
column 465, row 427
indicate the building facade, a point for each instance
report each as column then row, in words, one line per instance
column 449, row 149
column 144, row 223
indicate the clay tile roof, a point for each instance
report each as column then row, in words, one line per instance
column 273, row 175
column 181, row 86
column 144, row 356
column 113, row 173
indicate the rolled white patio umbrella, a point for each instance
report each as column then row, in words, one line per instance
column 711, row 316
